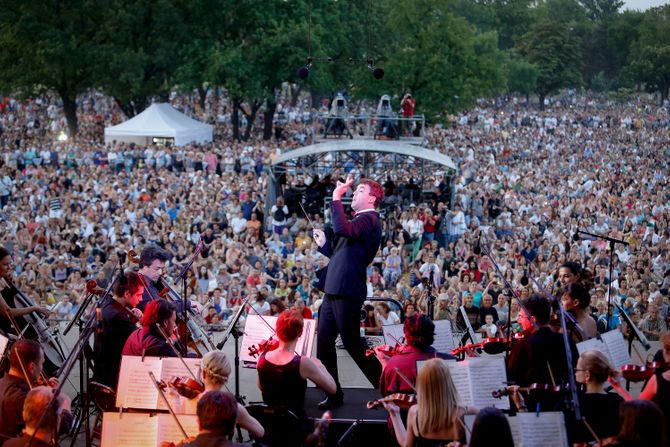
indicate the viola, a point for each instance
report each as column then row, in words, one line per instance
column 266, row 345
column 187, row 387
column 402, row 400
column 637, row 373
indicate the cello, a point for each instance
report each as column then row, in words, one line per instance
column 35, row 328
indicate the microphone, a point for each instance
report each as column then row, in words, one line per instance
column 577, row 237
column 524, row 278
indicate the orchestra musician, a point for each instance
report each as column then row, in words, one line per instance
column 571, row 272
column 119, row 319
column 599, row 408
column 540, row 356
column 152, row 264
column 575, row 299
column 436, row 419
column 7, row 294
column 658, row 387
column 214, row 373
column 26, row 360
column 217, row 413
column 41, row 426
column 283, row 373
column 419, row 333
column 148, row 339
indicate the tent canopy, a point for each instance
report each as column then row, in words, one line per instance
column 163, row 121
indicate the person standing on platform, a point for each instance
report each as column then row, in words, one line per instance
column 351, row 249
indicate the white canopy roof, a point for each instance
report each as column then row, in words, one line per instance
column 160, row 120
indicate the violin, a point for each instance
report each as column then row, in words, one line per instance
column 534, row 388
column 387, row 350
column 637, row 373
column 93, row 289
column 489, row 345
column 187, row 387
column 402, row 400
column 266, row 345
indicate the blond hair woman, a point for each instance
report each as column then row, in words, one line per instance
column 437, row 418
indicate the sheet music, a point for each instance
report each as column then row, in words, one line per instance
column 460, row 374
column 256, row 331
column 487, row 374
column 515, row 428
column 173, row 367
column 545, row 429
column 393, row 332
column 596, row 344
column 616, row 345
column 469, row 421
column 135, row 389
column 168, row 430
column 128, row 430
column 444, row 338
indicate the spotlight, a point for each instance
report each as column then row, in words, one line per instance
column 303, row 72
column 377, row 73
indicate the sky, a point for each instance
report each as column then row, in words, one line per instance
column 643, row 4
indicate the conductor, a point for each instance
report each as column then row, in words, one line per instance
column 351, row 249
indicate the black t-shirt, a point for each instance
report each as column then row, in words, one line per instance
column 601, row 411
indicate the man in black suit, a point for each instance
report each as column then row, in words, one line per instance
column 351, row 249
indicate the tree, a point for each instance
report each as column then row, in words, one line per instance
column 556, row 53
column 522, row 77
column 139, row 44
column 47, row 45
column 651, row 65
column 439, row 57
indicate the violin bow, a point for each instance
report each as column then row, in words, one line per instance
column 405, row 379
column 156, row 384
column 176, row 351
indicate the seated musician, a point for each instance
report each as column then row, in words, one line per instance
column 575, row 299
column 214, row 373
column 419, row 333
column 540, row 356
column 148, row 339
column 26, row 359
column 283, row 374
column 119, row 320
column 152, row 263
column 436, row 419
column 658, row 387
column 8, row 292
column 37, row 423
column 217, row 413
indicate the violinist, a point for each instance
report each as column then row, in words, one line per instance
column 37, row 423
column 540, row 356
column 658, row 387
column 217, row 413
column 575, row 299
column 283, row 374
column 152, row 265
column 26, row 360
column 7, row 294
column 148, row 339
column 214, row 374
column 572, row 272
column 119, row 319
column 419, row 333
column 436, row 419
column 599, row 408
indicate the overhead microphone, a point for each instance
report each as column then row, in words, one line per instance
column 524, row 278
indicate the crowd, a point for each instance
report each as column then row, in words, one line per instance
column 526, row 182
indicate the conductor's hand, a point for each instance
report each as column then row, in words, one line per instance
column 319, row 237
column 342, row 188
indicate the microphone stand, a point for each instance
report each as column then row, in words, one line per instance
column 611, row 241
column 182, row 276
column 571, row 371
column 515, row 295
column 76, row 354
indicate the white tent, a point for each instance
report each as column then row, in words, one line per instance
column 162, row 121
